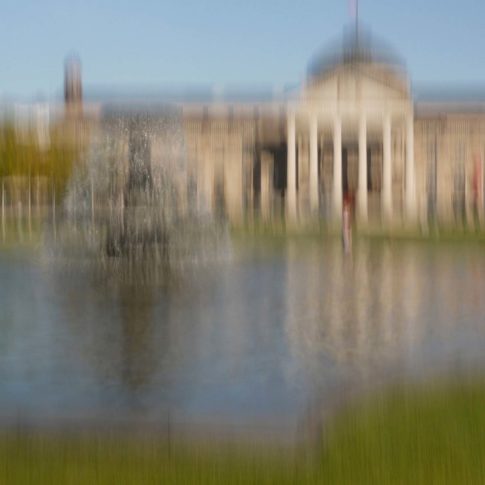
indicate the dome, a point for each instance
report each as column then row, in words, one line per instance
column 358, row 46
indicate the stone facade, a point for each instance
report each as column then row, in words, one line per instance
column 352, row 135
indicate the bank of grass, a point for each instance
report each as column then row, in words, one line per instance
column 443, row 234
column 280, row 232
column 422, row 436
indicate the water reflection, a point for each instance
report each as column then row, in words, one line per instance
column 137, row 350
column 390, row 311
column 260, row 337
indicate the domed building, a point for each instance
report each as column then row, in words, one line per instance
column 354, row 134
column 356, row 116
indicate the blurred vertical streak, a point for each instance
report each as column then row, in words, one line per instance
column 19, row 220
column 30, row 207
column 3, row 209
column 92, row 202
column 54, row 211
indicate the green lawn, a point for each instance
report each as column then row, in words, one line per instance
column 423, row 436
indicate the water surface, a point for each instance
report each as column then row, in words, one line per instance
column 278, row 330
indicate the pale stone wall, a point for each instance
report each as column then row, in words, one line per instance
column 228, row 151
column 451, row 147
column 234, row 153
column 220, row 150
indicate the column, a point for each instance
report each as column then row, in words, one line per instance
column 386, row 194
column 410, row 194
column 206, row 183
column 267, row 161
column 337, row 169
column 362, row 190
column 313, row 164
column 232, row 178
column 291, row 168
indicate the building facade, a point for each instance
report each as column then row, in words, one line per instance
column 353, row 134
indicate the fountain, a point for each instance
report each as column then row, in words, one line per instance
column 133, row 204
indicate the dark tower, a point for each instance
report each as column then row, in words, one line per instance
column 73, row 92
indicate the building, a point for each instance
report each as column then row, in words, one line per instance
column 354, row 133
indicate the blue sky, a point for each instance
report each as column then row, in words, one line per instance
column 224, row 42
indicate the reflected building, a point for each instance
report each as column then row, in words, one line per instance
column 386, row 312
column 354, row 132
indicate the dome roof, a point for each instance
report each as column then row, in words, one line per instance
column 357, row 46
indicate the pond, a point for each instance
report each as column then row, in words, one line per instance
column 263, row 339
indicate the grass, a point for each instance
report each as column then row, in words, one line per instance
column 423, row 436
column 434, row 435
column 278, row 230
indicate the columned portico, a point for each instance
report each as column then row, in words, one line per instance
column 356, row 126
column 346, row 149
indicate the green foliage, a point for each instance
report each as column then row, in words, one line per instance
column 422, row 436
column 418, row 436
column 23, row 157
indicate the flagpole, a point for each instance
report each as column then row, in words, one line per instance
column 354, row 12
column 357, row 23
